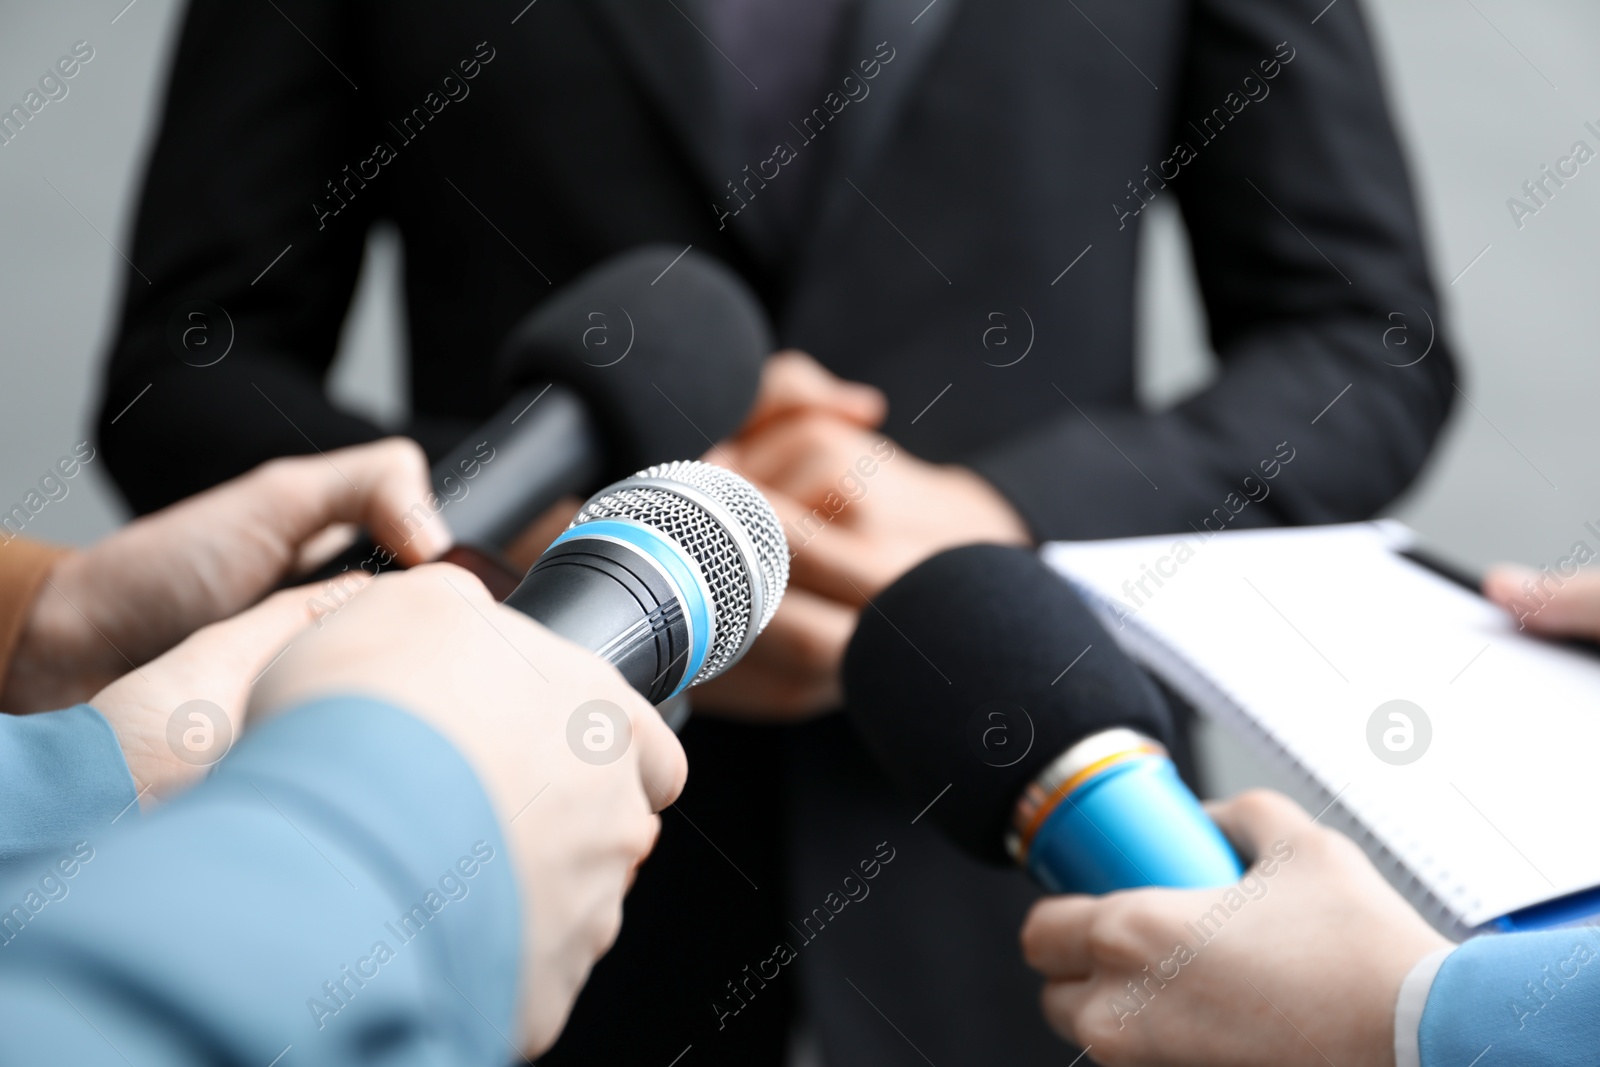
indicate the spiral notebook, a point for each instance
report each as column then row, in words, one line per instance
column 1479, row 807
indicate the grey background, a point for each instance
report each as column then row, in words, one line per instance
column 1485, row 91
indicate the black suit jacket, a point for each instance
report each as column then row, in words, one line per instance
column 991, row 176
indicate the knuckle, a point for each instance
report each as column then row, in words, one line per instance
column 404, row 453
column 606, row 927
column 1114, row 1048
column 812, row 653
column 814, row 650
column 1095, row 1025
column 815, row 433
column 1258, row 802
column 280, row 472
column 1269, row 811
column 642, row 837
column 1034, row 949
column 1115, row 936
column 788, row 372
column 284, row 597
column 1328, row 844
column 443, row 581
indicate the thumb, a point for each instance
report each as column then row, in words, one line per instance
column 1253, row 820
column 1570, row 609
column 383, row 486
column 218, row 663
column 244, row 646
column 663, row 767
column 792, row 381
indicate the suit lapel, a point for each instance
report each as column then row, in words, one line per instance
column 663, row 44
column 914, row 29
column 672, row 62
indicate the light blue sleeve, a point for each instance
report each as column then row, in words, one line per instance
column 62, row 777
column 1516, row 998
column 337, row 892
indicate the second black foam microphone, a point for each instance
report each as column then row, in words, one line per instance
column 642, row 357
column 988, row 691
column 645, row 355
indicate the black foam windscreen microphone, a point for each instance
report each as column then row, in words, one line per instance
column 663, row 345
column 975, row 630
column 652, row 354
column 980, row 678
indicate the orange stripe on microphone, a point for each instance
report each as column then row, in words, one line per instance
column 1066, row 788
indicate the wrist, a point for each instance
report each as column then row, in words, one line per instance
column 58, row 659
column 1001, row 521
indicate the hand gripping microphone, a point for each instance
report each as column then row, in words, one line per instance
column 982, row 673
column 668, row 575
column 649, row 354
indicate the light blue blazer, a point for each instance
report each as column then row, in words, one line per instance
column 337, row 892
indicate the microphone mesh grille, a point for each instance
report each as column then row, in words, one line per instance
column 714, row 547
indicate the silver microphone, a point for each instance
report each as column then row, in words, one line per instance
column 669, row 575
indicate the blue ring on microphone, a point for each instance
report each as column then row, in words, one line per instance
column 680, row 569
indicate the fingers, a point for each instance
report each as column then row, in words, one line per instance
column 385, row 643
column 808, row 455
column 1055, row 937
column 1502, row 584
column 1064, row 1004
column 662, row 763
column 219, row 664
column 792, row 671
column 807, row 636
column 384, row 486
column 841, row 565
column 530, row 544
column 321, row 547
column 633, row 869
column 1253, row 820
column 753, row 693
column 663, row 766
column 827, row 557
column 1568, row 607
column 462, row 581
column 791, row 381
column 253, row 638
column 1081, row 944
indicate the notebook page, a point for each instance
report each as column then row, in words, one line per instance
column 1307, row 631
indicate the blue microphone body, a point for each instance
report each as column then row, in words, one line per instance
column 1112, row 813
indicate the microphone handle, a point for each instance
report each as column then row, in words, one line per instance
column 540, row 446
column 1112, row 813
column 612, row 599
